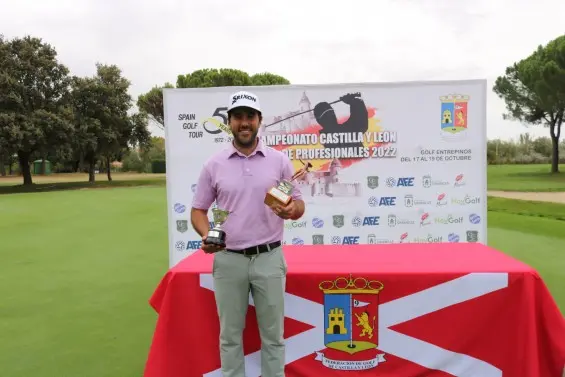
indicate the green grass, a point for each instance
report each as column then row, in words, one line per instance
column 524, row 178
column 77, row 269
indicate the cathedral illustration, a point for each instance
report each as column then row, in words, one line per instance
column 295, row 122
column 327, row 183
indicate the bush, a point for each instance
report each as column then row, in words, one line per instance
column 158, row 166
column 132, row 162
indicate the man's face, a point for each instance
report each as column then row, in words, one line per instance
column 244, row 123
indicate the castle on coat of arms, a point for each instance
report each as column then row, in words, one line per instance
column 327, row 183
column 351, row 307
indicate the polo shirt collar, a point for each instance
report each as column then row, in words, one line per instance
column 260, row 148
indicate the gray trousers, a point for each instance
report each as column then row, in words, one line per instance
column 264, row 276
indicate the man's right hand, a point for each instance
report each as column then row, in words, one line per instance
column 210, row 249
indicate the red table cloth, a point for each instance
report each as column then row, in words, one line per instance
column 406, row 310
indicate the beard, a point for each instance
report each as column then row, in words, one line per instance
column 245, row 136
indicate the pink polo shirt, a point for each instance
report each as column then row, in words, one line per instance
column 239, row 183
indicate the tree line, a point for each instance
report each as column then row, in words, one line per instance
column 524, row 150
column 85, row 124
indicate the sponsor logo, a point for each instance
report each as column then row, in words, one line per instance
column 372, row 239
column 474, row 218
column 466, row 200
column 373, row 182
column 243, row 96
column 410, row 201
column 365, row 221
column 428, row 181
column 317, row 223
column 429, row 239
column 400, row 182
column 449, row 219
column 452, row 237
column 459, row 181
column 472, row 236
column 194, row 245
column 297, row 241
column 182, row 225
column 441, row 200
column 294, row 224
column 425, row 219
column 345, row 240
column 317, row 239
column 394, row 220
column 189, row 245
column 179, row 245
column 338, row 221
column 403, row 237
column 179, row 208
column 384, row 201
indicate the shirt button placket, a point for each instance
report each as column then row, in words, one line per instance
column 245, row 166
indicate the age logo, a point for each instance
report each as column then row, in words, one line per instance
column 351, row 325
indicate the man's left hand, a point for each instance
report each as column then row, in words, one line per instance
column 285, row 212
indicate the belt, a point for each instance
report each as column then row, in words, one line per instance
column 254, row 250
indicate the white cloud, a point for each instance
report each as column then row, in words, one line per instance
column 305, row 41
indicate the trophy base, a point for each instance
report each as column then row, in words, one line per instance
column 276, row 197
column 216, row 237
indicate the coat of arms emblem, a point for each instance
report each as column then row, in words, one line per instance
column 351, row 307
column 182, row 225
column 373, row 182
column 339, row 221
column 317, row 239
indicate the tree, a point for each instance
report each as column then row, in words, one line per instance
column 34, row 114
column 152, row 101
column 534, row 91
column 103, row 127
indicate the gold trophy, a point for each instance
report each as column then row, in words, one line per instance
column 282, row 193
column 216, row 235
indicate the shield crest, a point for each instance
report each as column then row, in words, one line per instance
column 454, row 113
column 339, row 221
column 427, row 181
column 351, row 311
column 373, row 182
column 472, row 236
column 182, row 225
column 317, row 239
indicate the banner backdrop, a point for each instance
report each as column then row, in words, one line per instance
column 395, row 162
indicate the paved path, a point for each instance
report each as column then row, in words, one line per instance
column 555, row 197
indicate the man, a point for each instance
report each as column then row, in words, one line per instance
column 358, row 121
column 238, row 178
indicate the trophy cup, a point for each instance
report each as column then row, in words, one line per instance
column 216, row 235
column 282, row 194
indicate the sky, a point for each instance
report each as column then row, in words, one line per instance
column 306, row 41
